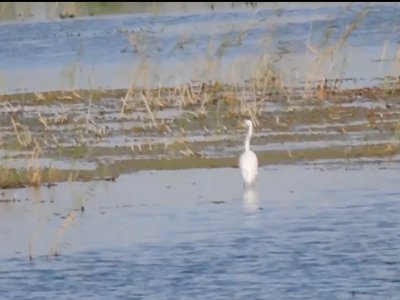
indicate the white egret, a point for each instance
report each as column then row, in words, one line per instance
column 248, row 161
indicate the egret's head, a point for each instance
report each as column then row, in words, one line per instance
column 248, row 123
column 244, row 124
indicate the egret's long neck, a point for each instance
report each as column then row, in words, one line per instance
column 248, row 137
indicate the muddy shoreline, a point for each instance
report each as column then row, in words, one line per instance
column 49, row 137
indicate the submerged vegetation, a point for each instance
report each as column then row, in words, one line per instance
column 87, row 134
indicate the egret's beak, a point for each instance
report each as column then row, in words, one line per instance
column 241, row 125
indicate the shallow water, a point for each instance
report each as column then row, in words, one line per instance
column 319, row 231
column 225, row 44
column 308, row 231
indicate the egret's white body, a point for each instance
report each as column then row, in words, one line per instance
column 248, row 161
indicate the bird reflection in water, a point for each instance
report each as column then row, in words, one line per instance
column 250, row 199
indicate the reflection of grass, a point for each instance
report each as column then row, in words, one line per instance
column 67, row 221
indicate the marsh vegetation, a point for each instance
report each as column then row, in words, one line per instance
column 189, row 87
